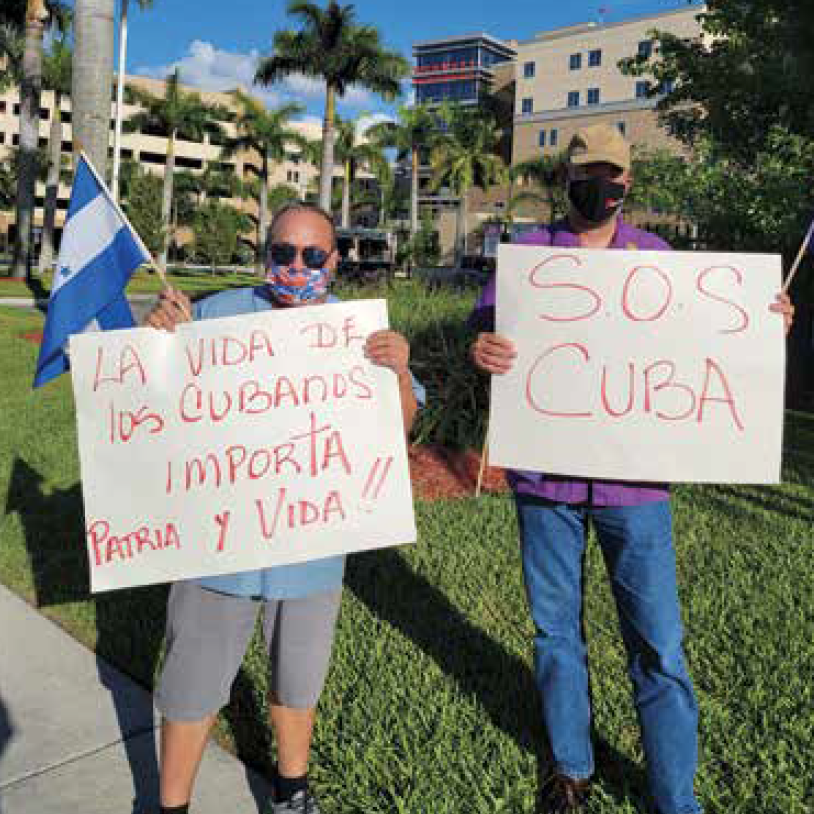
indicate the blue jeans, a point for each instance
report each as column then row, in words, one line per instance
column 637, row 547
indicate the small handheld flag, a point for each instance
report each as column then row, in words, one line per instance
column 806, row 246
column 99, row 253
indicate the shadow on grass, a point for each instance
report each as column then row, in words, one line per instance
column 502, row 683
column 129, row 628
column 766, row 498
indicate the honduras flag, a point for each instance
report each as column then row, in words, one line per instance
column 98, row 255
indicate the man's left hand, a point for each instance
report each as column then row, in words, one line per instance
column 782, row 305
column 389, row 349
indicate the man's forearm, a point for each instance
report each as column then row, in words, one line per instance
column 409, row 405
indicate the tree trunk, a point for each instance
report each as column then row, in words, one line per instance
column 326, row 171
column 30, row 88
column 51, row 186
column 92, row 79
column 414, row 190
column 346, row 182
column 263, row 217
column 166, row 199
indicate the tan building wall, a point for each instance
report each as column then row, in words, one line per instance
column 550, row 54
column 150, row 151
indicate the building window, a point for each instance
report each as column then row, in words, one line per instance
column 527, row 105
column 645, row 48
column 528, row 70
column 622, row 127
column 541, row 139
column 573, row 98
column 552, row 138
column 593, row 96
column 2, row 137
column 595, row 58
column 575, row 62
column 641, row 89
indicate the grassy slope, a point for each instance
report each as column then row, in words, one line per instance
column 430, row 706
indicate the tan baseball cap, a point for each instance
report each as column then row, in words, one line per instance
column 599, row 142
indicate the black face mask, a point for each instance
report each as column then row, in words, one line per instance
column 596, row 199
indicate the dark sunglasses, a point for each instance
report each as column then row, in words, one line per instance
column 283, row 254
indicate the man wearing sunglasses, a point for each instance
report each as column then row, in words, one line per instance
column 210, row 621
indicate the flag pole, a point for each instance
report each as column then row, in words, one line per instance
column 162, row 272
column 798, row 259
column 484, row 454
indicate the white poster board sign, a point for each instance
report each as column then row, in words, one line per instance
column 238, row 443
column 640, row 366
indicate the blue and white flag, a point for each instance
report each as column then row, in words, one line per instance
column 98, row 255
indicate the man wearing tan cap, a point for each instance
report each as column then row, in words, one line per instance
column 634, row 528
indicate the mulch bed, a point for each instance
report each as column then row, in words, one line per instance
column 439, row 473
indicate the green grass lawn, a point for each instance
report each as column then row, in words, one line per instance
column 193, row 281
column 430, row 707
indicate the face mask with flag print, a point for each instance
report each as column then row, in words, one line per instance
column 294, row 286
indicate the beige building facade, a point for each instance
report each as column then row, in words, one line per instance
column 150, row 152
column 557, row 82
column 569, row 78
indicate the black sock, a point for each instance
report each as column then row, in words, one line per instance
column 286, row 787
column 184, row 809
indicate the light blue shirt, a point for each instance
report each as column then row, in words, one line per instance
column 281, row 581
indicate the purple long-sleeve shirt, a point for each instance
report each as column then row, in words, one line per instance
column 556, row 487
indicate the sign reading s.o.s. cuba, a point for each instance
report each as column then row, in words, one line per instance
column 640, row 365
column 238, row 443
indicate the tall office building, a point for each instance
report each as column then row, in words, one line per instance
column 470, row 70
column 570, row 78
column 458, row 69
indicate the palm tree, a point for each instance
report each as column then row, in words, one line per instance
column 464, row 157
column 12, row 45
column 92, row 79
column 354, row 153
column 37, row 13
column 543, row 173
column 412, row 135
column 175, row 113
column 57, row 78
column 267, row 133
column 332, row 47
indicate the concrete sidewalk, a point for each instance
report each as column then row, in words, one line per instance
column 78, row 737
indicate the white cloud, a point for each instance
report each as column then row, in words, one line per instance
column 366, row 122
column 207, row 67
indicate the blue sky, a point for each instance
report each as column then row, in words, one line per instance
column 216, row 44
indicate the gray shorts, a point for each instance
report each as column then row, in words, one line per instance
column 207, row 637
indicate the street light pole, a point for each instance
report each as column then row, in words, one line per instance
column 117, row 134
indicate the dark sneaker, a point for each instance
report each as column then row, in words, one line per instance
column 303, row 802
column 564, row 795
